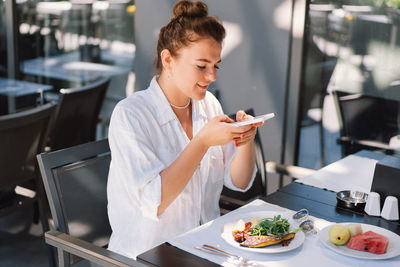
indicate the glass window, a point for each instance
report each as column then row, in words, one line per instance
column 351, row 78
column 59, row 34
column 68, row 44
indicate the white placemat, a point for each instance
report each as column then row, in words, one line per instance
column 311, row 253
column 350, row 173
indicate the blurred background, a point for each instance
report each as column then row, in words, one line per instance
column 279, row 56
column 308, row 61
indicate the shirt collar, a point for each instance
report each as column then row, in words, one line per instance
column 160, row 102
column 198, row 109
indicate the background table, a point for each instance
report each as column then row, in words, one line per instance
column 75, row 72
column 354, row 172
column 15, row 94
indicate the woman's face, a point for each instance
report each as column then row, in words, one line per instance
column 195, row 67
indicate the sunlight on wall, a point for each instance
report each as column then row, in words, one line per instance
column 234, row 37
column 282, row 18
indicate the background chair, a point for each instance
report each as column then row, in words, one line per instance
column 75, row 181
column 77, row 115
column 22, row 136
column 366, row 122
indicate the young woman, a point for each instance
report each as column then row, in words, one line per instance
column 172, row 147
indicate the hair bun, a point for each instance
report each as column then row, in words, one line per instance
column 190, row 9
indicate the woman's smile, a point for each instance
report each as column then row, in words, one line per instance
column 202, row 86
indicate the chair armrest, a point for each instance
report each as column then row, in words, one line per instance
column 87, row 250
column 367, row 143
column 290, row 170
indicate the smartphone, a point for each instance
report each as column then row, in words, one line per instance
column 255, row 119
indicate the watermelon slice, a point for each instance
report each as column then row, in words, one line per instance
column 370, row 242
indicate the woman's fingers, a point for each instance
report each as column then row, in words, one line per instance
column 239, row 134
column 240, row 115
column 245, row 137
column 240, row 142
column 224, row 118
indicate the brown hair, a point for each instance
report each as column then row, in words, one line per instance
column 190, row 19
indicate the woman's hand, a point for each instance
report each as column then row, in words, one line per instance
column 250, row 130
column 220, row 131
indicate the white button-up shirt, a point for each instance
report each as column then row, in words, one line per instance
column 145, row 137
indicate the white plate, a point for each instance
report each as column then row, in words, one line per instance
column 393, row 248
column 278, row 248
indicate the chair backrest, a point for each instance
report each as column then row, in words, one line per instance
column 22, row 136
column 77, row 115
column 365, row 117
column 259, row 186
column 75, row 181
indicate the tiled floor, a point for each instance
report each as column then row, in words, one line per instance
column 21, row 243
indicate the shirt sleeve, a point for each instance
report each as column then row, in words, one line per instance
column 229, row 153
column 134, row 162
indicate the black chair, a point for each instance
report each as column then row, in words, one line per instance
column 75, row 181
column 366, row 122
column 22, row 136
column 77, row 115
column 230, row 199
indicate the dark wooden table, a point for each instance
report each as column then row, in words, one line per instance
column 295, row 196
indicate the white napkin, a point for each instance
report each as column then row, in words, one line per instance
column 350, row 173
column 311, row 253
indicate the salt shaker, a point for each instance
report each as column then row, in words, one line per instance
column 373, row 206
column 390, row 209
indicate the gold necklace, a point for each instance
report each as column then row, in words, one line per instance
column 181, row 107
